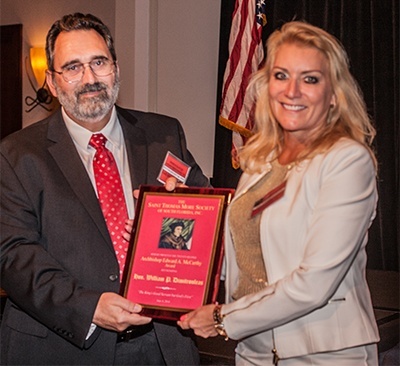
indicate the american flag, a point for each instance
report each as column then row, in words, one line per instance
column 246, row 53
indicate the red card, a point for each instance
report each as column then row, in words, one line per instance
column 173, row 167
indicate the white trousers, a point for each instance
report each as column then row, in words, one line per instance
column 356, row 356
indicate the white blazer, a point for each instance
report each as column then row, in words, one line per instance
column 313, row 243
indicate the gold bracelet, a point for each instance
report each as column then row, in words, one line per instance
column 218, row 320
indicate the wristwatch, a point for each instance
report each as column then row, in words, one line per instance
column 219, row 322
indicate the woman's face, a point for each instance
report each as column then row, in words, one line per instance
column 300, row 91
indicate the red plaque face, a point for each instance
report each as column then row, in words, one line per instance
column 174, row 261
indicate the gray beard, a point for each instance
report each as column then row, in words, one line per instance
column 89, row 109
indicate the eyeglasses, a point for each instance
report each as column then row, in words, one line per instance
column 74, row 72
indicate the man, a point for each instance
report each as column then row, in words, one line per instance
column 174, row 239
column 58, row 264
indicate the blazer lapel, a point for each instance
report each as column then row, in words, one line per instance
column 67, row 158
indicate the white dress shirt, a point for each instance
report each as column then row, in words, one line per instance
column 115, row 143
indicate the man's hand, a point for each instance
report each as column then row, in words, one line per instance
column 170, row 184
column 128, row 229
column 114, row 312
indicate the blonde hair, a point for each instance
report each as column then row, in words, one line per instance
column 347, row 118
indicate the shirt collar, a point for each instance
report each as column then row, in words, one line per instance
column 81, row 136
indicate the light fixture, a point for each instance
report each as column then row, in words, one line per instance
column 38, row 65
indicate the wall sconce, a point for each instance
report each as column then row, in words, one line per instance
column 38, row 65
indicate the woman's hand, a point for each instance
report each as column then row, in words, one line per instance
column 200, row 320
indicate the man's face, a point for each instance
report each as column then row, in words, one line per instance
column 178, row 231
column 88, row 101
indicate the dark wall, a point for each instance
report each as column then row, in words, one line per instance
column 11, row 79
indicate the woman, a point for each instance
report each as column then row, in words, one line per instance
column 296, row 230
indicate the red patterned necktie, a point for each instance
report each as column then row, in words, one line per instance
column 111, row 195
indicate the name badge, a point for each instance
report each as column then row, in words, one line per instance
column 173, row 167
column 271, row 197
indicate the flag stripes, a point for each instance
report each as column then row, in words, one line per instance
column 245, row 56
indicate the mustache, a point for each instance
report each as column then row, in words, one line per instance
column 97, row 86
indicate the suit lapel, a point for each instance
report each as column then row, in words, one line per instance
column 68, row 160
column 136, row 146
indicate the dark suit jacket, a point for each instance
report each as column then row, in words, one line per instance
column 56, row 254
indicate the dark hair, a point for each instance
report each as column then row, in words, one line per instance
column 176, row 224
column 77, row 21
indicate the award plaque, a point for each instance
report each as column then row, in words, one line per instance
column 175, row 255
